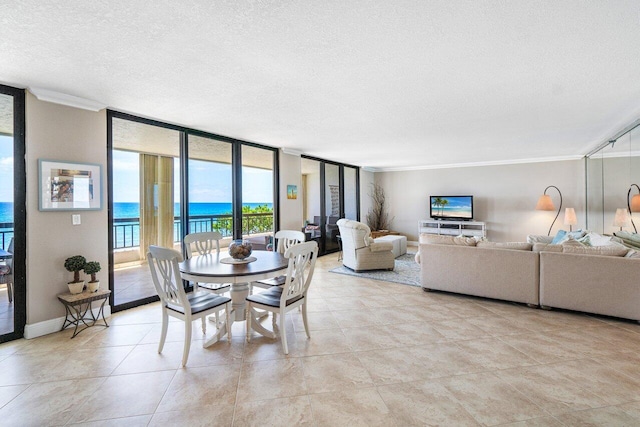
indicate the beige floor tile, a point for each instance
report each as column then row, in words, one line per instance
column 88, row 363
column 393, row 365
column 601, row 379
column 196, row 388
column 414, row 333
column 446, row 359
column 360, row 407
column 424, row 403
column 549, row 390
column 632, row 409
column 541, row 347
column 335, row 372
column 119, row 335
column 493, row 354
column 497, row 325
column 491, row 400
column 292, row 411
column 271, row 379
column 317, row 321
column 330, row 341
column 369, row 338
column 609, row 416
column 125, row 396
column 356, row 318
column 458, row 329
column 52, row 403
column 9, row 392
column 536, row 422
column 209, row 416
column 139, row 421
column 29, row 368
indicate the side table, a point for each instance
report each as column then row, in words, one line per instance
column 78, row 305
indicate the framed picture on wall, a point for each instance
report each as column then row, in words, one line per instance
column 69, row 186
column 292, row 191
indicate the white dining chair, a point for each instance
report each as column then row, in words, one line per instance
column 293, row 293
column 284, row 240
column 6, row 272
column 175, row 302
column 203, row 244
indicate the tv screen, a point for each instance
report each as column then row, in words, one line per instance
column 451, row 207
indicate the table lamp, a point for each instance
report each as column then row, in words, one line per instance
column 570, row 218
column 621, row 219
column 546, row 204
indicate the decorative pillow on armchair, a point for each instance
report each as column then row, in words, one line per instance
column 563, row 235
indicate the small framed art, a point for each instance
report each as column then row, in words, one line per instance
column 69, row 186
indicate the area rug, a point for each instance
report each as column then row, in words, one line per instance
column 406, row 271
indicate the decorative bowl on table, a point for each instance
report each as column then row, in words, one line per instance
column 240, row 249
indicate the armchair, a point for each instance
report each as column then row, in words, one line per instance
column 360, row 252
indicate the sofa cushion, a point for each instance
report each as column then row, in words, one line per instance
column 631, row 240
column 449, row 240
column 570, row 241
column 537, row 238
column 595, row 250
column 600, row 240
column 519, row 246
column 546, row 247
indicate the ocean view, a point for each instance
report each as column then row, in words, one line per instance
column 132, row 210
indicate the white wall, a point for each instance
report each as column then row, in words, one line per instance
column 57, row 132
column 366, row 180
column 504, row 196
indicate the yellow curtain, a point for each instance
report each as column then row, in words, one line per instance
column 156, row 202
column 148, row 216
column 165, row 202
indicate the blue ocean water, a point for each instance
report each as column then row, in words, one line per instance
column 132, row 210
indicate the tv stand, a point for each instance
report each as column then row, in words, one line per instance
column 452, row 228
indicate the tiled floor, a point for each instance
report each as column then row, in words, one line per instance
column 380, row 354
column 6, row 311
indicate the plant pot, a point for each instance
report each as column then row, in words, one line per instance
column 76, row 287
column 93, row 286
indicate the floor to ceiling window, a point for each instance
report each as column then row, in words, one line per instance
column 330, row 192
column 12, row 214
column 167, row 181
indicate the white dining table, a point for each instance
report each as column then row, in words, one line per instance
column 209, row 269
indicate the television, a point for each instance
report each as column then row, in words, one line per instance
column 451, row 207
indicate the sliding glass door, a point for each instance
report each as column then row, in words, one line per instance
column 330, row 192
column 167, row 181
column 12, row 214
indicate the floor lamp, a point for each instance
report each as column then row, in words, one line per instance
column 546, row 204
column 634, row 204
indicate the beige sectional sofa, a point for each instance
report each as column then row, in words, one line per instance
column 565, row 276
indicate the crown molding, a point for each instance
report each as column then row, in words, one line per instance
column 68, row 100
column 292, row 152
column 479, row 164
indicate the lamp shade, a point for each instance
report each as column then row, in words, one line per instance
column 545, row 203
column 570, row 216
column 622, row 218
column 635, row 203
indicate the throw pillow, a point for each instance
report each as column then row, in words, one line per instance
column 570, row 241
column 562, row 235
column 536, row 238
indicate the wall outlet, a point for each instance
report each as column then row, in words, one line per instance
column 75, row 220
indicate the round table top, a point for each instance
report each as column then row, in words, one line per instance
column 210, row 265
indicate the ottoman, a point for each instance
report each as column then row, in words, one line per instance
column 399, row 244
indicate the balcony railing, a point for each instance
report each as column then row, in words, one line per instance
column 6, row 233
column 126, row 231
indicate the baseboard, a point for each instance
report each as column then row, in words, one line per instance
column 50, row 326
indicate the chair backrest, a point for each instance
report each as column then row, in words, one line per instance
column 354, row 235
column 302, row 262
column 288, row 238
column 163, row 263
column 10, row 260
column 204, row 243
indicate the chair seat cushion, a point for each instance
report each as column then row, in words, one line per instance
column 201, row 302
column 272, row 297
column 5, row 269
column 215, row 286
column 276, row 281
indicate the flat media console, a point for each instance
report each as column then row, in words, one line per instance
column 452, row 228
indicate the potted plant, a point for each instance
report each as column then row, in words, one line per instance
column 75, row 264
column 91, row 268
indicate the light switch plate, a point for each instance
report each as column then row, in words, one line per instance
column 75, row 219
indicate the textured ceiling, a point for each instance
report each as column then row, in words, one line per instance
column 394, row 84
